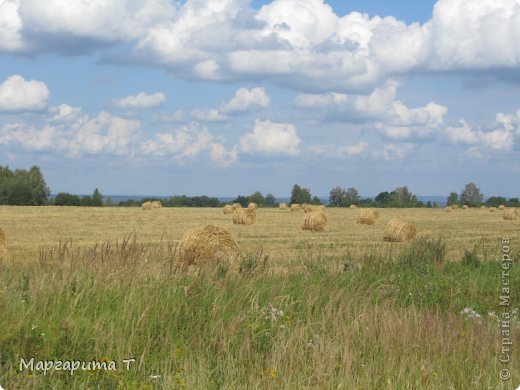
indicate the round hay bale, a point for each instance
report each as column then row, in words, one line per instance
column 510, row 214
column 448, row 209
column 308, row 208
column 146, row 206
column 208, row 245
column 465, row 207
column 283, row 206
column 492, row 209
column 454, row 206
column 353, row 206
column 501, row 207
column 295, row 207
column 156, row 204
column 315, row 221
column 236, row 206
column 228, row 209
column 244, row 216
column 3, row 237
column 483, row 207
column 367, row 217
column 398, row 231
column 252, row 205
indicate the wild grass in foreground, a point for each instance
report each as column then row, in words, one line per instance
column 384, row 320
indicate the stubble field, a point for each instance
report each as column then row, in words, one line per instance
column 337, row 309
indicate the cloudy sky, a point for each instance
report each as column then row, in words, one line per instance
column 226, row 97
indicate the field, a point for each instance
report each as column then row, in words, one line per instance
column 337, row 309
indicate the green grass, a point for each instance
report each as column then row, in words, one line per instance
column 383, row 320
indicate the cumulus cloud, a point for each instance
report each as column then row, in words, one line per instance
column 64, row 112
column 186, row 143
column 76, row 26
column 390, row 116
column 104, row 134
column 356, row 149
column 500, row 138
column 140, row 101
column 18, row 94
column 271, row 138
column 246, row 100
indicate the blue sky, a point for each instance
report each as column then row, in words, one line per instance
column 233, row 96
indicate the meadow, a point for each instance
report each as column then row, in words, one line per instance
column 300, row 309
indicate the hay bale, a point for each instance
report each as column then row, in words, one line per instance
column 228, row 209
column 156, row 204
column 315, row 221
column 398, row 231
column 454, row 206
column 244, row 216
column 295, row 207
column 448, row 209
column 465, row 207
column 492, row 209
column 308, row 208
column 146, row 206
column 367, row 217
column 483, row 207
column 208, row 245
column 510, row 214
column 236, row 206
column 283, row 206
column 353, row 206
column 252, row 205
column 3, row 237
column 501, row 207
column 321, row 208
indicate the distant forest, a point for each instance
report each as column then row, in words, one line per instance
column 28, row 188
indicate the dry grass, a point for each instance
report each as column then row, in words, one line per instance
column 315, row 221
column 455, row 206
column 31, row 229
column 492, row 209
column 367, row 217
column 510, row 214
column 228, row 209
column 244, row 216
column 208, row 245
column 147, row 206
column 398, row 231
column 3, row 238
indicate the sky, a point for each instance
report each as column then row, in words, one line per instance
column 228, row 97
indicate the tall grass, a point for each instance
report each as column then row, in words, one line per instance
column 385, row 320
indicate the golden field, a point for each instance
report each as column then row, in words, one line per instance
column 277, row 232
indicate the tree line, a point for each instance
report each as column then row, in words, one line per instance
column 28, row 187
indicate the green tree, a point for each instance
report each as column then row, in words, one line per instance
column 257, row 198
column 453, row 198
column 471, row 195
column 383, row 198
column 351, row 197
column 66, row 199
column 300, row 195
column 97, row 198
column 270, row 201
column 22, row 187
column 337, row 196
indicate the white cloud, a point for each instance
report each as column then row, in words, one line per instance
column 64, row 112
column 390, row 116
column 358, row 148
column 246, row 100
column 186, row 143
column 396, row 152
column 211, row 115
column 17, row 94
column 140, row 101
column 104, row 134
column 500, row 138
column 270, row 138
